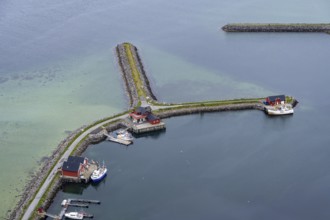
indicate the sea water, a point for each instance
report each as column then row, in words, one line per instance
column 58, row 72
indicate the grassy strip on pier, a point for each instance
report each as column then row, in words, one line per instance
column 135, row 72
column 277, row 27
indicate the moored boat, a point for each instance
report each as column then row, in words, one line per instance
column 121, row 136
column 74, row 215
column 283, row 109
column 99, row 173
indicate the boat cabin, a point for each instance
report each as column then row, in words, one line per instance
column 275, row 100
column 73, row 167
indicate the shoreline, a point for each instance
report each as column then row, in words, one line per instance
column 134, row 85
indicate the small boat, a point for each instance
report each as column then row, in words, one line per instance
column 74, row 215
column 121, row 136
column 99, row 173
column 283, row 109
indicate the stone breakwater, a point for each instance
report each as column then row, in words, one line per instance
column 131, row 90
column 273, row 27
column 203, row 109
column 143, row 74
column 127, row 73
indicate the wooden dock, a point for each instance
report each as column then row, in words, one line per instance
column 70, row 202
column 88, row 172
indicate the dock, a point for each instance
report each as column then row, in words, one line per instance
column 70, row 202
column 88, row 172
column 117, row 140
column 147, row 127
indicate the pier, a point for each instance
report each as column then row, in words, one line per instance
column 276, row 27
column 70, row 202
column 146, row 127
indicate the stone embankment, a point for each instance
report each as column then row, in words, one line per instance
column 203, row 109
column 127, row 69
column 273, row 27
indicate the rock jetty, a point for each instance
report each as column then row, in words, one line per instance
column 276, row 27
column 134, row 75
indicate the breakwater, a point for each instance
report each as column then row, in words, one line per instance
column 203, row 109
column 135, row 78
column 275, row 27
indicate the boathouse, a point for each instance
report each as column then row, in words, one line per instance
column 74, row 167
column 275, row 100
column 143, row 114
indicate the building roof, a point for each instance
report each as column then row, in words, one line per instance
column 136, row 116
column 273, row 98
column 152, row 117
column 73, row 163
column 143, row 110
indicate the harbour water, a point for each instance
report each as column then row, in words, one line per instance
column 58, row 72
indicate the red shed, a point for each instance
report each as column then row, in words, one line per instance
column 73, row 167
column 152, row 119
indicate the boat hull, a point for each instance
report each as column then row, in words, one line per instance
column 279, row 112
column 284, row 109
column 99, row 178
column 74, row 215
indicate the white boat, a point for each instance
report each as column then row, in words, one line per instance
column 283, row 109
column 99, row 173
column 74, row 215
column 121, row 136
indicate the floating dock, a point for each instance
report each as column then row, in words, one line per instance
column 117, row 140
column 70, row 202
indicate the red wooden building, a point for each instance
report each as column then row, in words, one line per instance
column 73, row 167
column 144, row 114
column 275, row 100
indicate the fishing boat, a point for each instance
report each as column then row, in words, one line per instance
column 99, row 173
column 121, row 136
column 282, row 109
column 74, row 215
